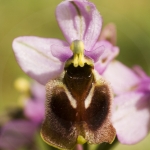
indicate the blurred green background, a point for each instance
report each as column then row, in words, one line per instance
column 37, row 17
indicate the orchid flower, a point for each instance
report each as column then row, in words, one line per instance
column 131, row 106
column 78, row 98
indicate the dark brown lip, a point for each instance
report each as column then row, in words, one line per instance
column 78, row 103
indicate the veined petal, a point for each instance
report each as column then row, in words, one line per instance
column 34, row 57
column 79, row 20
column 131, row 117
column 110, row 52
column 122, row 78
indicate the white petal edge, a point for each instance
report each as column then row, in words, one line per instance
column 131, row 117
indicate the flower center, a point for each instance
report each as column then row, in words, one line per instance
column 77, row 48
column 78, row 58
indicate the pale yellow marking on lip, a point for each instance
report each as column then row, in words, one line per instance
column 88, row 100
column 72, row 101
column 81, row 140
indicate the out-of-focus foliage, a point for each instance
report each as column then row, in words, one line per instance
column 32, row 17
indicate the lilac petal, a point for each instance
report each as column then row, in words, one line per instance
column 130, row 117
column 35, row 110
column 16, row 134
column 109, row 33
column 38, row 91
column 144, row 86
column 95, row 53
column 35, row 106
column 34, row 57
column 140, row 72
column 122, row 78
column 61, row 52
column 110, row 52
column 79, row 20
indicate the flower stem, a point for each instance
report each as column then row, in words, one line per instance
column 105, row 146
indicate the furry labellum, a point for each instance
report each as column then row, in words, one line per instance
column 78, row 107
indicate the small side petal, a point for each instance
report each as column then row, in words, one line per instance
column 96, row 53
column 122, row 78
column 110, row 52
column 61, row 52
column 131, row 117
column 34, row 57
column 79, row 20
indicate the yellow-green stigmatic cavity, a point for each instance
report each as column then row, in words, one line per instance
column 77, row 48
column 81, row 140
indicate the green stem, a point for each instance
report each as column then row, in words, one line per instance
column 85, row 146
column 106, row 146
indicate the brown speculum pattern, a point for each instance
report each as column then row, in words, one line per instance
column 77, row 103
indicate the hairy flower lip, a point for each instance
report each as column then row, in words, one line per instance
column 78, row 93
